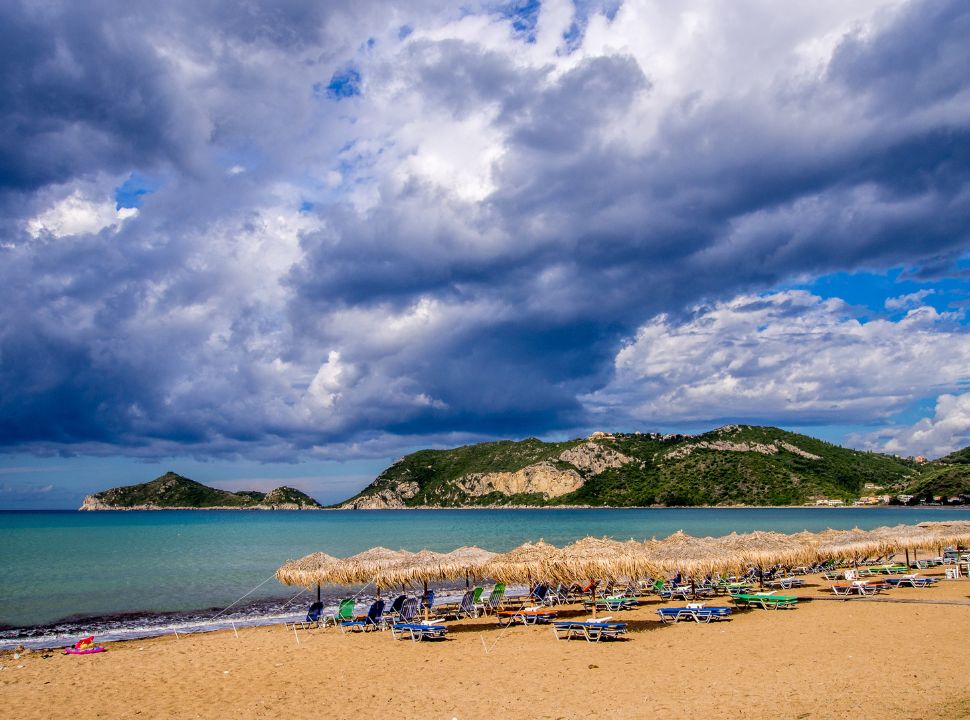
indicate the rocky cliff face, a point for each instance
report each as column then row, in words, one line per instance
column 92, row 502
column 725, row 446
column 386, row 499
column 543, row 478
column 593, row 458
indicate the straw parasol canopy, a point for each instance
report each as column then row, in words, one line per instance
column 949, row 532
column 318, row 568
column 592, row 558
column 847, row 544
column 689, row 555
column 763, row 549
column 369, row 566
column 521, row 564
column 468, row 561
column 423, row 567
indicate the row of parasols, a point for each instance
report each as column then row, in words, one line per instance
column 603, row 558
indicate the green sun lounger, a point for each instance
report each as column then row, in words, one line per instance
column 765, row 601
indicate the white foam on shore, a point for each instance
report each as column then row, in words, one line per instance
column 106, row 630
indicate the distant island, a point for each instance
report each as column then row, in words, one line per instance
column 172, row 491
column 732, row 465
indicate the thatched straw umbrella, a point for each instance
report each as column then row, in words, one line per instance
column 592, row 558
column 424, row 566
column 369, row 567
column 689, row 555
column 469, row 560
column 521, row 564
column 762, row 549
column 317, row 568
column 846, row 545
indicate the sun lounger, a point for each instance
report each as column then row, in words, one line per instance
column 786, row 583
column 612, row 604
column 345, row 611
column 591, row 630
column 844, row 589
column 313, row 614
column 911, row 580
column 698, row 614
column 888, row 569
column 494, row 600
column 371, row 621
column 418, row 631
column 408, row 612
column 766, row 601
column 526, row 616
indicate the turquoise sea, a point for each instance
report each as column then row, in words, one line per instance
column 141, row 572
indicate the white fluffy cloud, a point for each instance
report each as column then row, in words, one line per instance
column 79, row 214
column 946, row 431
column 378, row 225
column 787, row 355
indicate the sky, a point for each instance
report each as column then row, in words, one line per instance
column 289, row 242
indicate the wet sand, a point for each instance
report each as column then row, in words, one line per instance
column 825, row 659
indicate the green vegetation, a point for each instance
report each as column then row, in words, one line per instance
column 942, row 479
column 171, row 490
column 728, row 466
column 435, row 471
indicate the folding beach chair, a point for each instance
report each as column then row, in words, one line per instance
column 313, row 614
column 345, row 611
column 494, row 600
column 370, row 621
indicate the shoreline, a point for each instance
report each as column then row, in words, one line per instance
column 820, row 660
column 503, row 507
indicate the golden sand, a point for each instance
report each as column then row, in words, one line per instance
column 825, row 659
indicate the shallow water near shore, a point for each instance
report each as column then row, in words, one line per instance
column 129, row 574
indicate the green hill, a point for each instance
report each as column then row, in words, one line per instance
column 947, row 477
column 171, row 491
column 732, row 465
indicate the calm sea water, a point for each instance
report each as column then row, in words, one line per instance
column 135, row 570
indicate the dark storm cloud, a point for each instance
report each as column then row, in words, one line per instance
column 481, row 225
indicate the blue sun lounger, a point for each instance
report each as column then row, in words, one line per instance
column 370, row 621
column 912, row 580
column 591, row 630
column 313, row 614
column 418, row 631
column 697, row 614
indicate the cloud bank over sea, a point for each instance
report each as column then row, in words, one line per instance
column 347, row 229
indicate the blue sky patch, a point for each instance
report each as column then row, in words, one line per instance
column 524, row 15
column 871, row 291
column 130, row 193
column 343, row 84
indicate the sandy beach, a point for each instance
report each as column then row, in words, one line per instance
column 826, row 659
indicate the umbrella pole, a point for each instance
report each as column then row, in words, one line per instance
column 761, row 578
column 318, row 592
column 907, row 558
column 426, row 612
column 592, row 591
